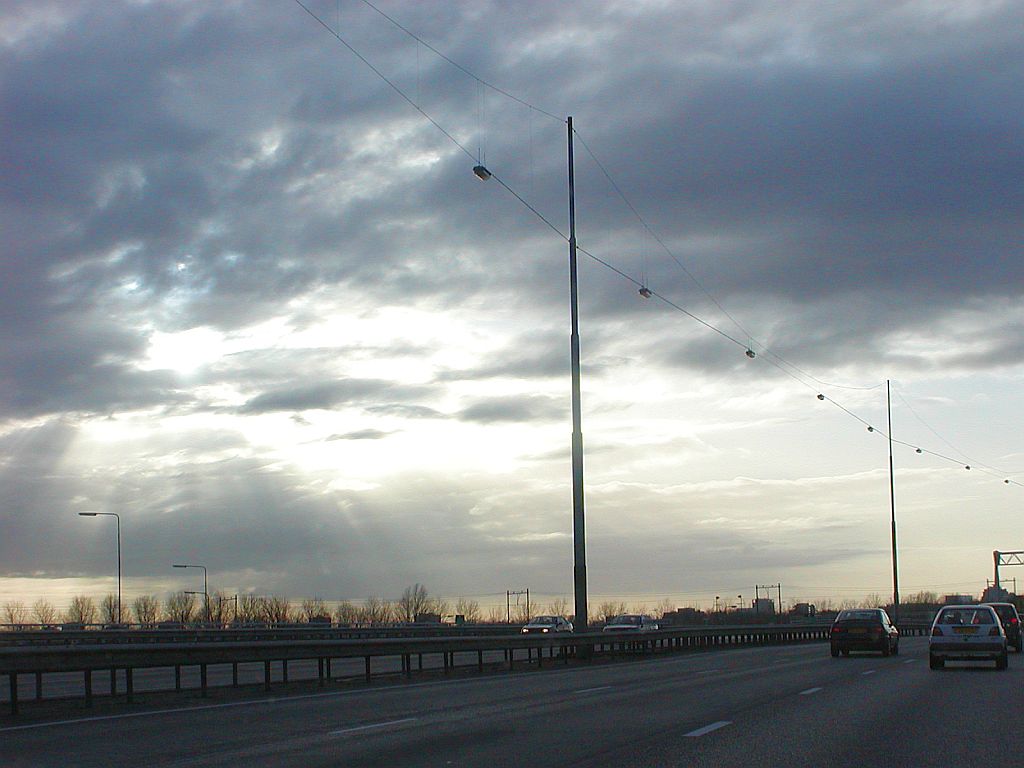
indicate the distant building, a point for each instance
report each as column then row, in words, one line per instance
column 683, row 617
column 994, row 594
column 764, row 606
column 806, row 610
column 959, row 599
column 428, row 618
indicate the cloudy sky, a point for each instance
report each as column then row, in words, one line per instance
column 255, row 301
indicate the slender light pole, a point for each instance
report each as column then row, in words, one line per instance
column 206, row 589
column 892, row 508
column 578, row 527
column 118, row 518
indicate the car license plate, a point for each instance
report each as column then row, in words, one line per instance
column 858, row 631
column 965, row 630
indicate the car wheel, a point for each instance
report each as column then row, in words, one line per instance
column 1019, row 646
column 835, row 652
column 886, row 650
column 896, row 649
column 935, row 662
column 1002, row 662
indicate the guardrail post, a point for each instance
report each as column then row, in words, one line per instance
column 320, row 671
column 39, row 686
column 13, row 676
column 479, row 661
column 202, row 679
column 234, row 674
column 511, row 658
column 177, row 677
column 266, row 675
column 129, row 683
column 113, row 681
column 367, row 669
column 88, row 687
column 284, row 670
column 328, row 667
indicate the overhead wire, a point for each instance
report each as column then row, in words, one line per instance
column 768, row 355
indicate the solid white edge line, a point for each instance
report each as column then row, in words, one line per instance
column 868, row 672
column 594, row 690
column 708, row 729
column 809, row 691
column 358, row 728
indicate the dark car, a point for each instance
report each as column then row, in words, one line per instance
column 1007, row 613
column 864, row 629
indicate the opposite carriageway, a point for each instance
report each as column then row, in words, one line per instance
column 127, row 651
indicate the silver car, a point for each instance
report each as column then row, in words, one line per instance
column 631, row 622
column 966, row 633
column 542, row 625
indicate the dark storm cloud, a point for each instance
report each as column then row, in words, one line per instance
column 520, row 409
column 835, row 176
column 328, row 395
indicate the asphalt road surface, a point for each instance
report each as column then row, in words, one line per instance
column 778, row 706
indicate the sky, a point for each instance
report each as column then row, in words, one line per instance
column 255, row 301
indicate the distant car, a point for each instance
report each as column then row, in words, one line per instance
column 541, row 625
column 865, row 629
column 966, row 633
column 631, row 622
column 1008, row 617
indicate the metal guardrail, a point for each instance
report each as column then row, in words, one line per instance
column 199, row 651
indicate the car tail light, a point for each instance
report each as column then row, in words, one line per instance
column 837, row 630
column 994, row 632
column 936, row 632
column 1015, row 621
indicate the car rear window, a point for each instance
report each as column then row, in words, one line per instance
column 858, row 616
column 966, row 616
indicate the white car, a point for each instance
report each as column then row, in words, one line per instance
column 966, row 633
column 631, row 622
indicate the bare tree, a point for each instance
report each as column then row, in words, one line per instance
column 414, row 600
column 181, row 607
column 559, row 607
column 15, row 612
column 346, row 613
column 496, row 615
column 609, row 609
column 874, row 600
column 146, row 609
column 108, row 609
column 665, row 606
column 250, row 608
column 219, row 610
column 377, row 611
column 81, row 611
column 314, row 608
column 468, row 609
column 277, row 610
column 44, row 611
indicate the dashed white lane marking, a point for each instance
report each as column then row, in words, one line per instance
column 594, row 690
column 706, row 671
column 868, row 672
column 708, row 728
column 809, row 691
column 358, row 728
column 909, row 661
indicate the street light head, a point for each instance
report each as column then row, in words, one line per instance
column 751, row 354
column 178, row 565
column 481, row 173
column 821, row 397
column 87, row 514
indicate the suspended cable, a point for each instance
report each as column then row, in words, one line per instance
column 461, row 68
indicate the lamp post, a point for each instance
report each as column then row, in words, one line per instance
column 578, row 527
column 118, row 518
column 206, row 589
column 892, row 509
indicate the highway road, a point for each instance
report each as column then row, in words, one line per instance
column 750, row 707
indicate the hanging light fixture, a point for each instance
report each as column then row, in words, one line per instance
column 481, row 173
